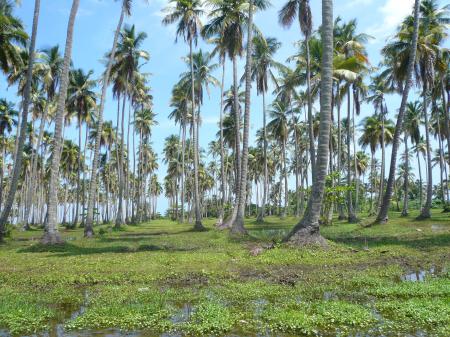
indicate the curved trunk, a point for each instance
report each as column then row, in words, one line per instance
column 51, row 235
column 383, row 213
column 307, row 231
column 23, row 125
column 89, row 230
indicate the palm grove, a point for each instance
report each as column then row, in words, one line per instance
column 312, row 163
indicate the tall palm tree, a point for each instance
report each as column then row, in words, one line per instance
column 80, row 99
column 412, row 131
column 51, row 234
column 383, row 212
column 279, row 129
column 26, row 102
column 88, row 229
column 302, row 10
column 307, row 231
column 125, row 73
column 187, row 14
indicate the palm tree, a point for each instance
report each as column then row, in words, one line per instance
column 412, row 50
column 302, row 10
column 88, row 229
column 125, row 74
column 279, row 129
column 187, row 13
column 411, row 128
column 263, row 63
column 14, row 25
column 307, row 231
column 8, row 120
column 80, row 99
column 51, row 234
column 12, row 35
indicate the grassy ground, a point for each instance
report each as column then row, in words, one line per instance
column 161, row 277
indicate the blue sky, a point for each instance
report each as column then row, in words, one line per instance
column 94, row 32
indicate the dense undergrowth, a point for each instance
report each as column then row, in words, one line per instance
column 161, row 277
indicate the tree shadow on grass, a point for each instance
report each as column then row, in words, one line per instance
column 69, row 249
column 442, row 240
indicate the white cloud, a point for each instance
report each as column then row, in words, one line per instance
column 392, row 14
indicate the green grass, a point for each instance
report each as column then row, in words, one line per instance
column 162, row 277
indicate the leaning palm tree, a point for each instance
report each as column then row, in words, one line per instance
column 383, row 212
column 51, row 234
column 302, row 10
column 307, row 231
column 187, row 14
column 25, row 106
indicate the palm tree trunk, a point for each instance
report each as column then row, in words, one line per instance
column 307, row 231
column 286, row 190
column 383, row 213
column 121, row 159
column 339, row 151
column 312, row 150
column 420, row 180
column 51, row 235
column 77, row 203
column 351, row 213
column 222, row 150
column 406, row 179
column 262, row 212
column 238, row 225
column 198, row 217
column 89, row 230
column 23, row 126
column 426, row 210
column 183, row 174
column 383, row 159
column 237, row 146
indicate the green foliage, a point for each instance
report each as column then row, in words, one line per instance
column 141, row 277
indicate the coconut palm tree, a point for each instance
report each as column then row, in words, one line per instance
column 411, row 51
column 13, row 33
column 88, row 229
column 263, row 65
column 80, row 99
column 301, row 10
column 187, row 14
column 51, row 234
column 124, row 72
column 411, row 126
column 307, row 231
column 278, row 127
